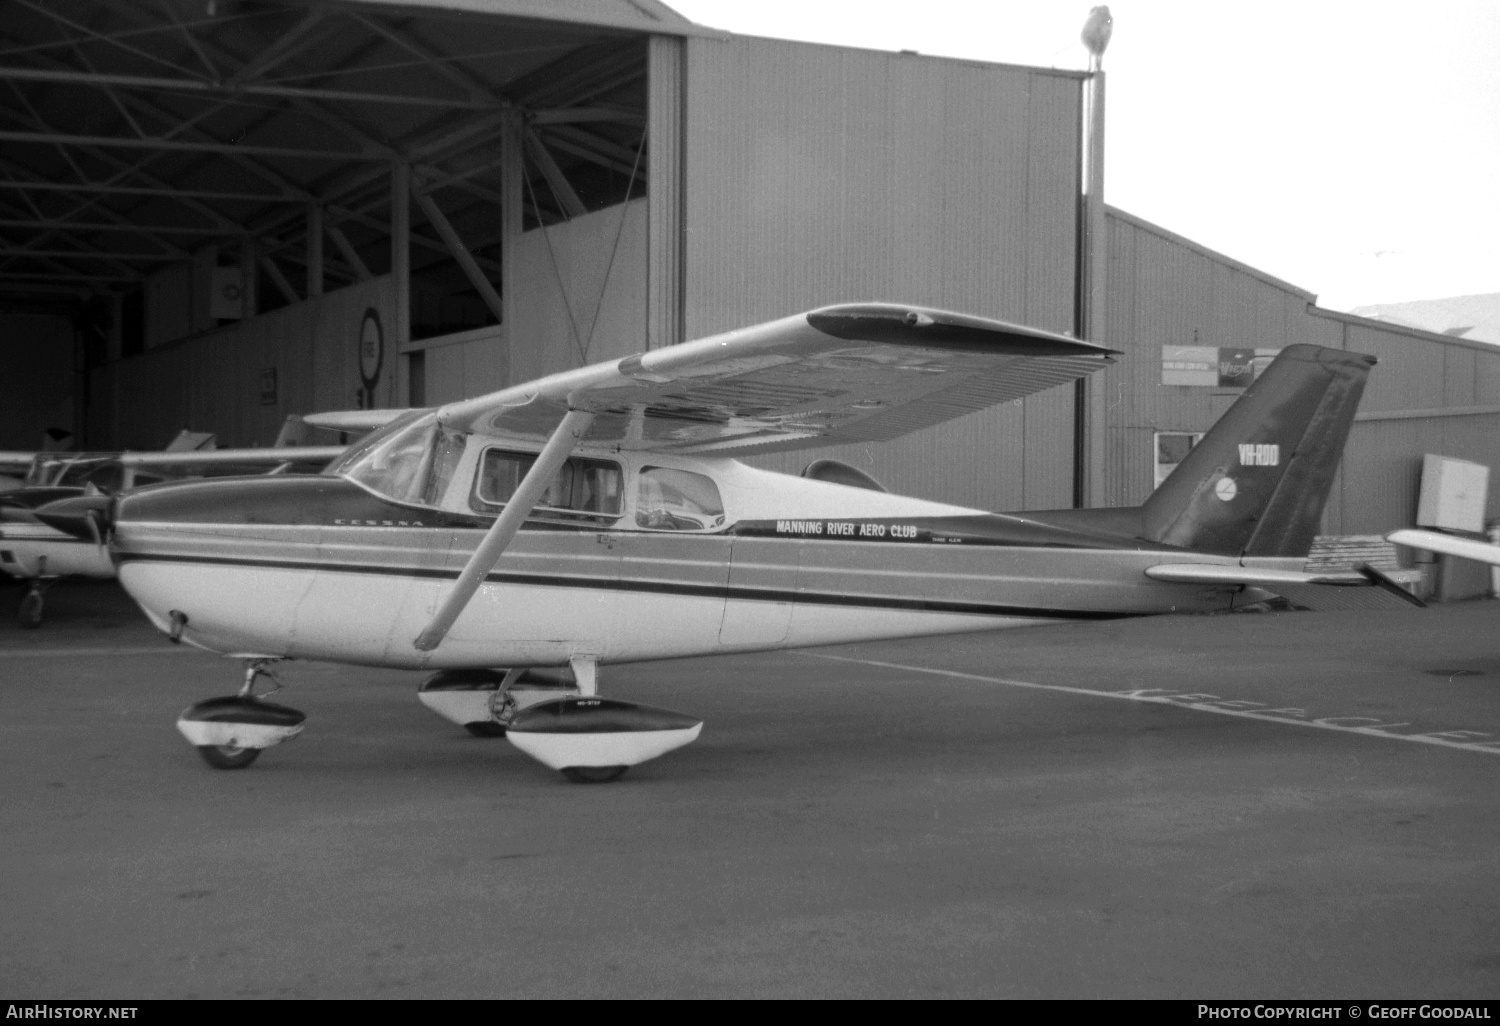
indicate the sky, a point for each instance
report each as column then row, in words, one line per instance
column 1352, row 149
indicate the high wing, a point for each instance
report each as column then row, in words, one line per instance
column 840, row 374
column 857, row 373
column 1449, row 545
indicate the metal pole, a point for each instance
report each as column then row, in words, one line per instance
column 401, row 277
column 249, row 277
column 1093, row 258
column 314, row 250
column 511, row 187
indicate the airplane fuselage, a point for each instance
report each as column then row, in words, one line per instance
column 328, row 568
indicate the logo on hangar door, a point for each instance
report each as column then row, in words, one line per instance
column 371, row 356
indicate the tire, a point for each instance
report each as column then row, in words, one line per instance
column 593, row 774
column 228, row 757
column 30, row 612
column 485, row 728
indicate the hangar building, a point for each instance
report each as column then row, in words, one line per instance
column 214, row 213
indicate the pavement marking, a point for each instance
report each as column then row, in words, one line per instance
column 50, row 652
column 1214, row 704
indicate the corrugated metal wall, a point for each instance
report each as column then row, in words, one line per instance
column 820, row 175
column 1164, row 290
column 1428, row 394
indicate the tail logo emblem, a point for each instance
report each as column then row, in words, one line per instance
column 1260, row 455
column 1226, row 489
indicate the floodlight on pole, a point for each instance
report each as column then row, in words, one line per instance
column 1096, row 33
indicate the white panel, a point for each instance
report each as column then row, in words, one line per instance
column 580, row 292
column 1454, row 493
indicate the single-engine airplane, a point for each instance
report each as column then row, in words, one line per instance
column 599, row 516
column 41, row 555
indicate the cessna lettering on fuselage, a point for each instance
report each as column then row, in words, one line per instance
column 515, row 542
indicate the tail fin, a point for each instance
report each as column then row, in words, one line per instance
column 1257, row 482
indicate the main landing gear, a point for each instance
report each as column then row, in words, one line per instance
column 554, row 716
column 230, row 732
column 558, row 718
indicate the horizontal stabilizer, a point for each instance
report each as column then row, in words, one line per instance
column 1362, row 588
column 1233, row 573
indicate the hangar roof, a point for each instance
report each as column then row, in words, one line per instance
column 132, row 135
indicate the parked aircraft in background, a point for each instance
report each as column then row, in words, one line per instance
column 34, row 552
column 1447, row 544
column 598, row 516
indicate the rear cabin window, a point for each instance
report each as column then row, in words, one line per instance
column 677, row 500
column 583, row 489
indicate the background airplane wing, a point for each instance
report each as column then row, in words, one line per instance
column 352, row 420
column 840, row 374
column 267, row 457
column 1449, row 545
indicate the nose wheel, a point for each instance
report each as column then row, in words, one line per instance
column 230, row 733
column 227, row 757
column 29, row 613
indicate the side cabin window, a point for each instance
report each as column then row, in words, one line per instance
column 583, row 489
column 677, row 500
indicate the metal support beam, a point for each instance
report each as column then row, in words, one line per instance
column 249, row 279
column 279, row 51
column 567, row 198
column 77, row 254
column 243, row 149
column 401, row 271
column 124, row 227
column 140, row 190
column 314, row 250
column 348, row 252
column 279, row 280
column 461, row 254
column 231, row 89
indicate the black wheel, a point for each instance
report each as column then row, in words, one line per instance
column 485, row 728
column 593, row 774
column 228, row 757
column 31, row 611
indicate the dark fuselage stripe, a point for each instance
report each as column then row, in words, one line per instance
column 661, row 588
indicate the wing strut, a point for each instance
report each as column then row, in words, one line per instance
column 493, row 545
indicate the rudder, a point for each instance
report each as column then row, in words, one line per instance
column 1257, row 482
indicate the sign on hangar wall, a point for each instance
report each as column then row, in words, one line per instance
column 1213, row 366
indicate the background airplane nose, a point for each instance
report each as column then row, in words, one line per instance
column 88, row 517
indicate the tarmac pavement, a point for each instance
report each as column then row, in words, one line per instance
column 1253, row 806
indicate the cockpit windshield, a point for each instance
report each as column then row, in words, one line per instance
column 411, row 459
